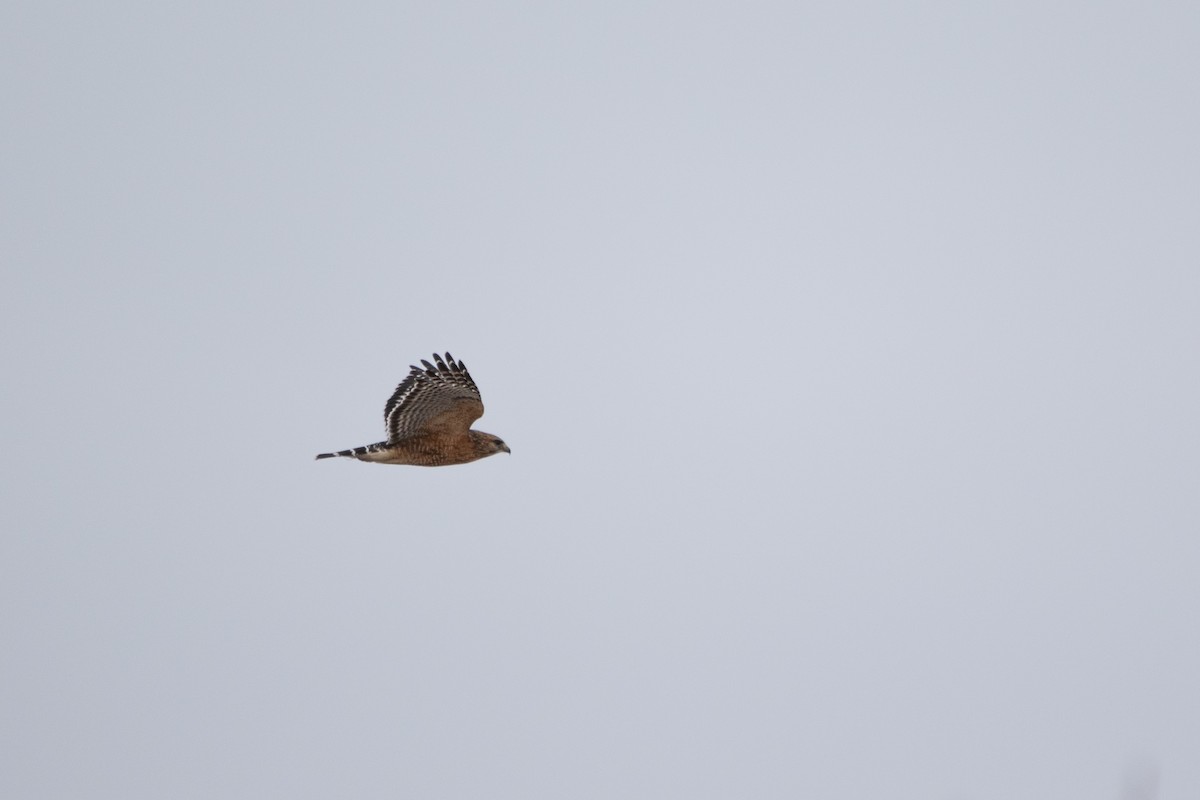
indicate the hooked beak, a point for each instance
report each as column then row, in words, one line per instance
column 504, row 447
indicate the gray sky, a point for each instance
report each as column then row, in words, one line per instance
column 847, row 352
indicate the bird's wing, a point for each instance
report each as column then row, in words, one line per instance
column 440, row 398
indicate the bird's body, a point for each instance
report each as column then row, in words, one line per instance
column 429, row 418
column 424, row 451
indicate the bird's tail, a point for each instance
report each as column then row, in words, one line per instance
column 334, row 455
column 355, row 452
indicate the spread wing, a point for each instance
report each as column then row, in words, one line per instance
column 440, row 398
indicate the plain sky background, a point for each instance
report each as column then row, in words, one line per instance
column 847, row 352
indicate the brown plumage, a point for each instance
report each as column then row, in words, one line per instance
column 428, row 420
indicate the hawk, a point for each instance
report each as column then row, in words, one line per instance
column 428, row 420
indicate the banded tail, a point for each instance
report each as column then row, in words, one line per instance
column 357, row 452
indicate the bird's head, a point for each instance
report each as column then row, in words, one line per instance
column 489, row 444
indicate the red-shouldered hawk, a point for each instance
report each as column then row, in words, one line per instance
column 428, row 420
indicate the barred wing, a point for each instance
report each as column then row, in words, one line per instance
column 441, row 398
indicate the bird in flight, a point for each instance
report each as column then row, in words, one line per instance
column 428, row 420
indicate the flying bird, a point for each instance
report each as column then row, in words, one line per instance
column 428, row 420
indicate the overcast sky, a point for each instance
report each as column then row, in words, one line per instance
column 847, row 353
